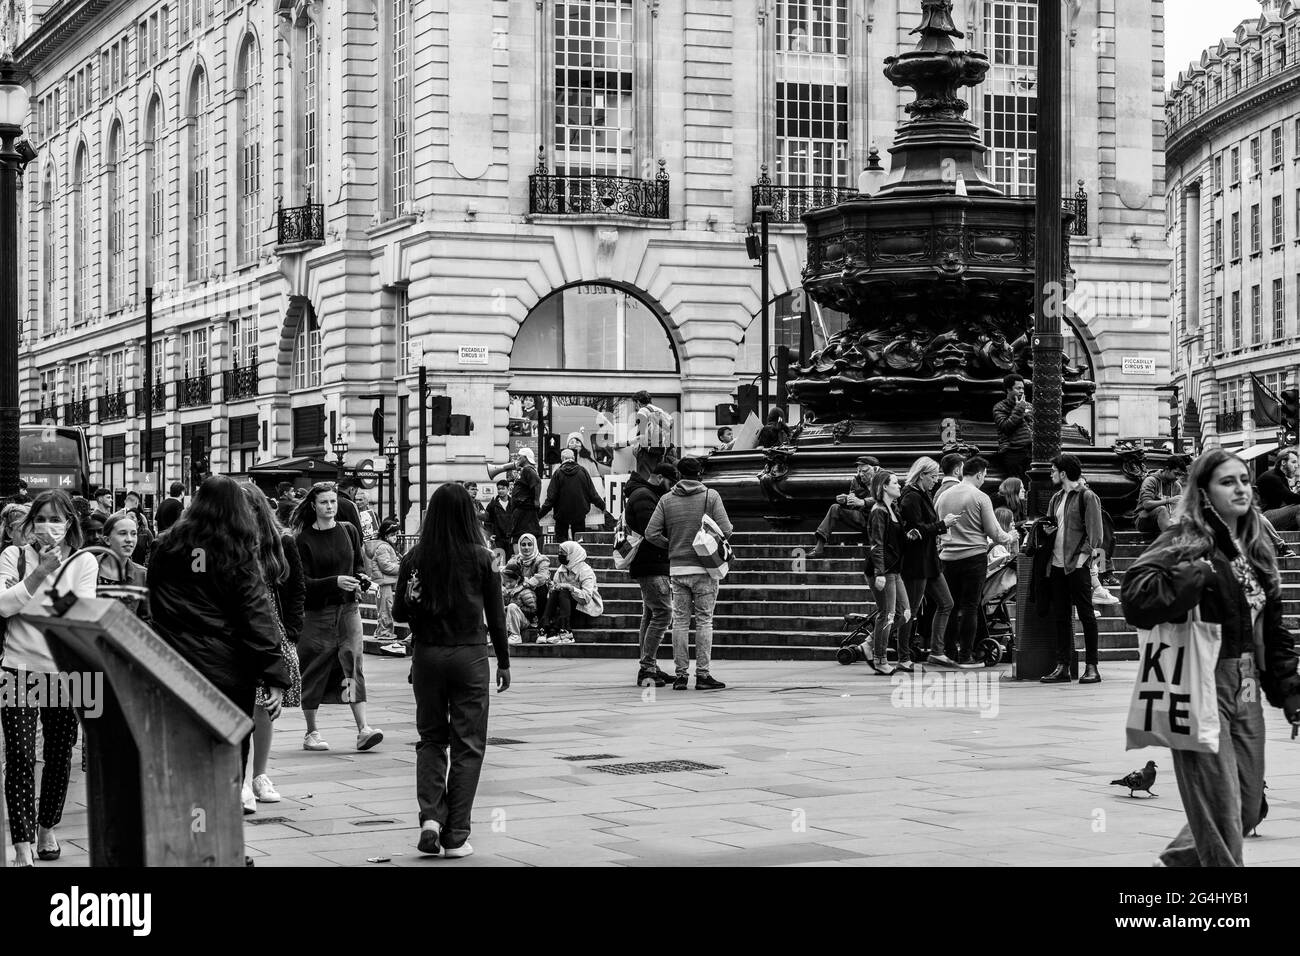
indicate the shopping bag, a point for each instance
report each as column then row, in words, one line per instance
column 711, row 547
column 1175, row 703
column 626, row 544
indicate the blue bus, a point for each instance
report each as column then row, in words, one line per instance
column 54, row 456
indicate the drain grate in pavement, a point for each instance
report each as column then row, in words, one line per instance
column 591, row 757
column 257, row 821
column 503, row 741
column 654, row 766
column 372, row 823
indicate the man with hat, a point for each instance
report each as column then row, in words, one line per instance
column 1159, row 495
column 524, row 495
column 849, row 512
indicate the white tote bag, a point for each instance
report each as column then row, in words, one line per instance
column 1175, row 703
column 626, row 545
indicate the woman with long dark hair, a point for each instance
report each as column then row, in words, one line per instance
column 447, row 587
column 50, row 536
column 1218, row 558
column 1011, row 495
column 884, row 572
column 330, row 649
column 282, row 569
column 208, row 597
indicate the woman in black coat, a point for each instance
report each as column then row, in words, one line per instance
column 921, row 571
column 209, row 600
column 1219, row 559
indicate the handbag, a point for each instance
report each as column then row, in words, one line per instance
column 711, row 545
column 1175, row 703
column 626, row 545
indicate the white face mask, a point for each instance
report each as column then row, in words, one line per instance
column 52, row 532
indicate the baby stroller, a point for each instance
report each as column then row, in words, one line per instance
column 995, row 634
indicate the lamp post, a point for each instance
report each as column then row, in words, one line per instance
column 340, row 448
column 13, row 110
column 764, row 214
column 391, row 451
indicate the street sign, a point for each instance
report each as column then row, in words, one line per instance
column 145, row 482
column 365, row 474
column 473, row 355
column 1133, row 365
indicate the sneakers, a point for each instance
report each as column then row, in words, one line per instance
column 681, row 683
column 514, row 639
column 264, row 790
column 883, row 668
column 708, row 682
column 247, row 799
column 1109, row 579
column 564, row 637
column 1101, row 596
column 312, row 741
column 543, row 639
column 651, row 675
column 904, row 666
column 457, row 852
column 429, row 840
column 368, row 737
column 940, row 660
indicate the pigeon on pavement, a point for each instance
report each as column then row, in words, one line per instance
column 1138, row 779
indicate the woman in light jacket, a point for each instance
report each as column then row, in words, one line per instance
column 573, row 588
column 52, row 534
column 1219, row 559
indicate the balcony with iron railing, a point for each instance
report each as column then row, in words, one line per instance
column 300, row 225
column 237, row 383
column 159, row 398
column 585, row 194
column 790, row 202
column 193, row 391
column 77, row 411
column 1229, row 421
column 112, row 405
column 46, row 415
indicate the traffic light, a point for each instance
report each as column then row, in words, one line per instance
column 440, row 415
column 746, row 402
column 753, row 245
column 1290, row 416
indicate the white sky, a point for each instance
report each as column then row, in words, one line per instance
column 1192, row 25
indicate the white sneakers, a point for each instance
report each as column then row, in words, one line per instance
column 514, row 639
column 264, row 790
column 564, row 637
column 368, row 737
column 246, row 798
column 458, row 853
column 1101, row 595
column 312, row 741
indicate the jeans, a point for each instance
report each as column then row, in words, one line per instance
column 452, row 684
column 936, row 592
column 965, row 578
column 1073, row 588
column 891, row 609
column 1223, row 793
column 698, row 593
column 1285, row 519
column 841, row 518
column 656, row 615
column 384, row 610
column 1155, row 520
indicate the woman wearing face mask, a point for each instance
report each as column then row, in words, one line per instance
column 331, row 649
column 51, row 534
column 1217, row 558
column 884, row 569
column 574, row 589
column 121, row 538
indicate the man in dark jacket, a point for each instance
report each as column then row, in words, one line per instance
column 1281, row 505
column 570, row 495
column 849, row 512
column 498, row 517
column 525, row 491
column 1014, row 418
column 650, row 569
column 347, row 503
column 1076, row 514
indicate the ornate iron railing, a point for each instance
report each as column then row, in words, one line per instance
column 112, row 406
column 583, row 194
column 305, row 223
column 1078, row 205
column 159, row 398
column 239, row 382
column 1229, row 421
column 193, row 391
column 77, row 412
column 46, row 413
column 790, row 202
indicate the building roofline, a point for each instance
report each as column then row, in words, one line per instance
column 59, row 24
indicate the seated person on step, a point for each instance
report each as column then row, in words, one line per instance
column 574, row 600
column 849, row 513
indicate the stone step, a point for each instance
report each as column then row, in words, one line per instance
column 630, row 651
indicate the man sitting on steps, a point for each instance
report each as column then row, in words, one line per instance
column 849, row 512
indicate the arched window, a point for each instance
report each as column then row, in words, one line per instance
column 80, row 236
column 310, row 138
column 49, row 269
column 115, row 222
column 593, row 327
column 250, row 153
column 200, row 261
column 155, row 186
column 306, row 354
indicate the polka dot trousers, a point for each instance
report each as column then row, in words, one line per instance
column 59, row 728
